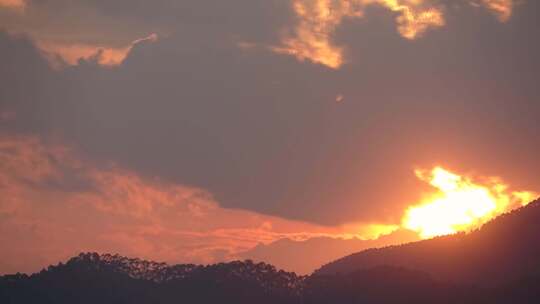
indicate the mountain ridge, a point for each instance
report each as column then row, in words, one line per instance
column 503, row 249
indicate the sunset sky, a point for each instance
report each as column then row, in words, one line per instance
column 205, row 131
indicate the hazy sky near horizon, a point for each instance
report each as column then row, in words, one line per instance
column 192, row 130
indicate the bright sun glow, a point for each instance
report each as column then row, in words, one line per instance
column 460, row 204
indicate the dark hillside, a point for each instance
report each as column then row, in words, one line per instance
column 503, row 250
column 93, row 278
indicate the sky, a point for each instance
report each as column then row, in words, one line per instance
column 205, row 131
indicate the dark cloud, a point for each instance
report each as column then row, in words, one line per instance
column 262, row 131
column 117, row 23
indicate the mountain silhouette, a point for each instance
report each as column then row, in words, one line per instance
column 505, row 249
column 94, row 278
column 497, row 264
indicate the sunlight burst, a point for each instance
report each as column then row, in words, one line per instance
column 460, row 204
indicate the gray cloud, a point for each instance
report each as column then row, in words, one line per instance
column 117, row 23
column 263, row 132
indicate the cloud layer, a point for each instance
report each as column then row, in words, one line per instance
column 55, row 205
column 239, row 131
column 318, row 20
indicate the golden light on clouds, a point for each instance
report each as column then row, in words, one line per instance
column 414, row 16
column 318, row 20
column 312, row 36
column 460, row 204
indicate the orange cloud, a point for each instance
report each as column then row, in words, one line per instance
column 311, row 39
column 53, row 205
column 318, row 19
column 501, row 8
column 312, row 36
column 13, row 4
